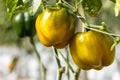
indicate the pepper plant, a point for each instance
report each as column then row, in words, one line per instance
column 55, row 23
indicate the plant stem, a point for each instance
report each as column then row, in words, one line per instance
column 68, row 74
column 104, row 32
column 67, row 5
column 42, row 67
column 96, row 28
column 77, row 73
column 67, row 62
column 58, row 64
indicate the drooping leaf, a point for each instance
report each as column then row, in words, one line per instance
column 32, row 5
column 117, row 7
column 92, row 7
column 11, row 6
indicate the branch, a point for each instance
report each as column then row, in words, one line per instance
column 60, row 69
column 43, row 69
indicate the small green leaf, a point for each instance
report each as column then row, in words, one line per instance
column 117, row 7
column 32, row 5
column 92, row 7
column 11, row 6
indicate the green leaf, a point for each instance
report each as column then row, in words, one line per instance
column 32, row 5
column 92, row 7
column 117, row 7
column 11, row 6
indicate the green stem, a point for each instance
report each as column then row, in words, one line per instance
column 43, row 69
column 68, row 74
column 77, row 73
column 96, row 28
column 115, row 43
column 78, row 2
column 112, row 34
column 67, row 62
column 67, row 5
column 59, row 75
column 58, row 64
column 83, row 19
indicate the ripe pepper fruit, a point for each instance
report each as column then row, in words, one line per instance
column 92, row 50
column 55, row 27
column 23, row 24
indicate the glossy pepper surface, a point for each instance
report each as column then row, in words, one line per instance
column 23, row 24
column 92, row 50
column 55, row 27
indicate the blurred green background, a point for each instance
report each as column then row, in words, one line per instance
column 7, row 34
